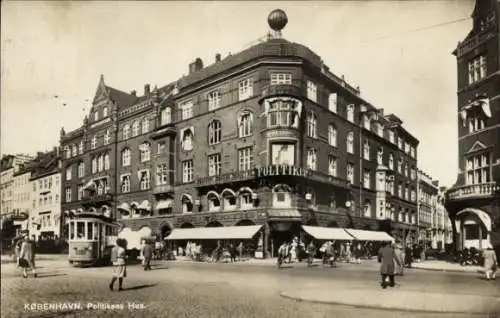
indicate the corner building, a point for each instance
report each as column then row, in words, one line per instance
column 268, row 136
column 474, row 200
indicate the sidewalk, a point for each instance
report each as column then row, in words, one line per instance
column 434, row 265
column 6, row 259
column 398, row 299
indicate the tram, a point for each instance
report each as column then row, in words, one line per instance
column 91, row 236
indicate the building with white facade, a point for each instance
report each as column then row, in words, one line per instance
column 45, row 217
column 21, row 196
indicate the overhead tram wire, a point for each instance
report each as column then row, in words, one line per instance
column 430, row 27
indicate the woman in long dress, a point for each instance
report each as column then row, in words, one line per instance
column 118, row 257
column 490, row 263
column 27, row 257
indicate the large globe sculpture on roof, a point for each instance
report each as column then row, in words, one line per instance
column 277, row 20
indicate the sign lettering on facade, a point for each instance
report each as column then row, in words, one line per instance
column 281, row 170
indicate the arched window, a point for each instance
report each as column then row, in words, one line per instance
column 229, row 199
column 282, row 196
column 350, row 113
column 125, row 184
column 312, row 156
column 246, row 198
column 332, row 102
column 125, row 157
column 332, row 135
column 106, row 161
column 214, row 132
column 135, row 129
column 145, row 125
column 311, row 124
column 187, row 203
column 213, row 201
column 144, row 152
column 126, row 131
column 245, row 125
column 350, row 142
column 166, row 116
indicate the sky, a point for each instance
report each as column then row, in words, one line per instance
column 398, row 52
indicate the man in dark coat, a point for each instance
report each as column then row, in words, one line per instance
column 387, row 259
column 147, row 253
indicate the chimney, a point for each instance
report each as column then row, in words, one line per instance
column 133, row 93
column 146, row 90
column 217, row 57
column 199, row 64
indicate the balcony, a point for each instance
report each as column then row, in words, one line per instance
column 473, row 42
column 288, row 90
column 474, row 191
column 166, row 129
column 226, row 178
column 163, row 188
column 97, row 198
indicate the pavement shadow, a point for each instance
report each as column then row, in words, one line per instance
column 286, row 267
column 140, row 287
column 484, row 279
column 51, row 275
column 159, row 267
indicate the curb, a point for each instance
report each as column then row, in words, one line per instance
column 381, row 307
column 447, row 270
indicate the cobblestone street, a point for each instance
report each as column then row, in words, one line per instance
column 215, row 290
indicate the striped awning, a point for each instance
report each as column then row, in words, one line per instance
column 124, row 207
column 363, row 235
column 215, row 233
column 163, row 204
column 327, row 233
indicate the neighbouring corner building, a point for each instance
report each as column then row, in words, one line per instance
column 14, row 170
column 474, row 201
column 268, row 136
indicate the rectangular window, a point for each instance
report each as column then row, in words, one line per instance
column 391, row 136
column 213, row 100
column 187, row 171
column 245, row 89
column 478, row 169
column 332, row 166
column 162, row 174
column 366, row 179
column 332, row 102
column 283, row 154
column 312, row 91
column 350, row 173
column 79, row 193
column 214, row 164
column 281, row 79
column 477, row 69
column 145, row 180
column 245, row 158
column 312, row 156
column 161, row 147
column 186, row 109
column 107, row 137
column 125, row 183
column 68, row 194
column 81, row 170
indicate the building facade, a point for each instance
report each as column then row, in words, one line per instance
column 427, row 198
column 21, row 196
column 266, row 136
column 474, row 201
column 12, row 216
column 45, row 221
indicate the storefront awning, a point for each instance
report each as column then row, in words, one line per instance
column 280, row 214
column 124, row 207
column 327, row 233
column 215, row 233
column 364, row 235
column 145, row 205
column 163, row 204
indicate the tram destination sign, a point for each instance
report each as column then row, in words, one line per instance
column 281, row 170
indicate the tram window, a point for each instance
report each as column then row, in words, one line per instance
column 80, row 230
column 90, row 231
column 72, row 230
column 96, row 231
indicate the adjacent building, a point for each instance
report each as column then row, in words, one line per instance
column 474, row 201
column 267, row 136
column 21, row 195
column 45, row 217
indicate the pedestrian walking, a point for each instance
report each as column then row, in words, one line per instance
column 490, row 263
column 282, row 254
column 27, row 256
column 118, row 257
column 386, row 258
column 311, row 250
column 233, row 252
column 409, row 256
column 240, row 251
column 147, row 253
